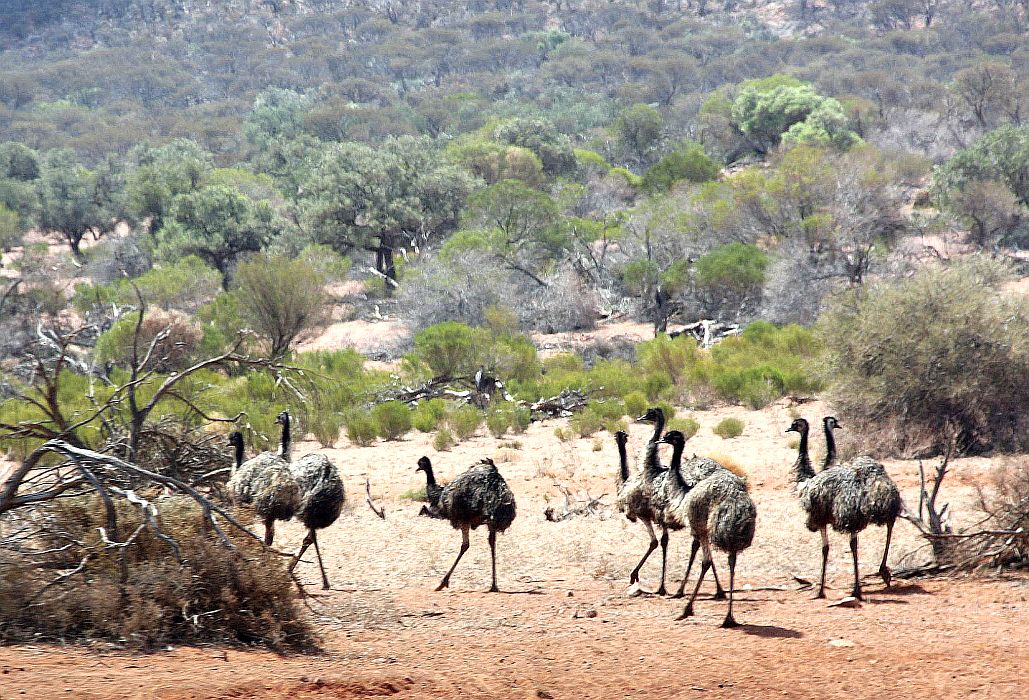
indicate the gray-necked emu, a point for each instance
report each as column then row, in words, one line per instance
column 433, row 490
column 264, row 482
column 681, row 479
column 322, row 496
column 721, row 514
column 881, row 501
column 830, row 498
column 639, row 495
column 479, row 496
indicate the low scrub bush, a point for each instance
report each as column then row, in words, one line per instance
column 443, row 440
column 635, row 404
column 687, row 426
column 362, row 428
column 463, row 421
column 428, row 415
column 326, row 426
column 217, row 595
column 586, row 423
column 393, row 419
column 729, row 428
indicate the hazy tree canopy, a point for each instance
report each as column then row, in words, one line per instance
column 791, row 112
column 1001, row 155
column 72, row 199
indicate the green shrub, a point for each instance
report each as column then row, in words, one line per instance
column 689, row 163
column 521, row 419
column 729, row 428
column 393, row 419
column 564, row 434
column 655, row 383
column 326, row 426
column 687, row 426
column 636, row 404
column 464, row 421
column 586, row 423
column 361, row 428
column 428, row 415
column 612, row 379
column 443, row 440
column 498, row 421
column 613, row 426
column 448, row 349
column 669, row 409
column 612, row 409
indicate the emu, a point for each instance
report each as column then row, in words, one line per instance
column 479, row 496
column 830, row 498
column 881, row 501
column 679, row 483
column 265, row 481
column 639, row 496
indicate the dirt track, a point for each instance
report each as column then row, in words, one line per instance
column 563, row 627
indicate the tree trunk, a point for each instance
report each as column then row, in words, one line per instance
column 384, row 264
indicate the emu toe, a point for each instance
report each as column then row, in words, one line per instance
column 730, row 622
column 719, row 594
column 494, row 589
column 687, row 612
column 445, row 583
column 856, row 593
column 677, row 595
column 820, row 593
column 661, row 591
column 886, row 574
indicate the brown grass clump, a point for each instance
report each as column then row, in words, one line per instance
column 731, row 464
column 139, row 595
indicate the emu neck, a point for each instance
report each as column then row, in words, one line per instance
column 675, row 466
column 285, row 445
column 802, row 467
column 659, row 426
column 830, row 449
column 623, row 464
column 430, row 478
column 238, row 447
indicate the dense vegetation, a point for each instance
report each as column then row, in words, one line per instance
column 486, row 170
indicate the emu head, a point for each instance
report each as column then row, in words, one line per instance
column 652, row 415
column 235, row 438
column 424, row 464
column 797, row 426
column 830, row 422
column 674, row 438
column 621, row 437
column 282, row 418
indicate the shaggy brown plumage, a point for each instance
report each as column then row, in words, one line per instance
column 479, row 496
column 322, row 497
column 832, row 498
column 264, row 483
column 881, row 503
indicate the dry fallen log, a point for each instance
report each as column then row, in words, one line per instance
column 561, row 406
column 707, row 332
column 577, row 506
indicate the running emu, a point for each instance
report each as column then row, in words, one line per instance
column 265, row 482
column 638, row 495
column 432, row 489
column 321, row 501
column 831, row 498
column 881, row 500
column 479, row 496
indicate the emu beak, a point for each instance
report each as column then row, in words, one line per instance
column 838, row 424
column 643, row 419
column 791, row 429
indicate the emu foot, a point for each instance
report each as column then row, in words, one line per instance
column 856, row 593
column 493, row 589
column 886, row 574
column 661, row 591
column 677, row 595
column 820, row 593
column 730, row 622
column 720, row 594
column 445, row 583
column 687, row 612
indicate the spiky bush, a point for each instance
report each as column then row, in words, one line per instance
column 393, row 419
column 362, row 428
column 463, row 421
column 729, row 428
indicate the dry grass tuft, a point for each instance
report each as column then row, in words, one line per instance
column 731, row 464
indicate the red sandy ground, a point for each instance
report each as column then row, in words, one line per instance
column 563, row 627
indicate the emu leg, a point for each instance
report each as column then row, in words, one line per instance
column 694, row 546
column 464, row 548
column 664, row 560
column 884, row 570
column 704, row 566
column 719, row 591
column 269, row 531
column 635, row 575
column 325, row 579
column 825, row 561
column 730, row 621
column 308, row 539
column 493, row 558
column 857, row 581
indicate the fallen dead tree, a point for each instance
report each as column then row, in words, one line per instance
column 577, row 506
column 563, row 405
column 707, row 332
